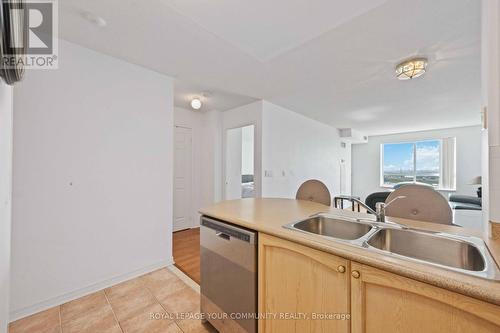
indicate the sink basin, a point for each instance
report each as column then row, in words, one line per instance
column 429, row 247
column 332, row 227
column 463, row 254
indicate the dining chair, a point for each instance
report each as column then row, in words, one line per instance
column 421, row 203
column 314, row 190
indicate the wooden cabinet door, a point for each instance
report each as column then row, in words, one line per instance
column 386, row 302
column 296, row 280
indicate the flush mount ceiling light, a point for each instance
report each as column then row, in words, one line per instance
column 196, row 103
column 411, row 68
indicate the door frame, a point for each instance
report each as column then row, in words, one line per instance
column 192, row 218
column 224, row 145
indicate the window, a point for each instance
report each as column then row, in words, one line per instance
column 430, row 162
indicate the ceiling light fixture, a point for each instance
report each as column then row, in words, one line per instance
column 94, row 19
column 411, row 68
column 196, row 103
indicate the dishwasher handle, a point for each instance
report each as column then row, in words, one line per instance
column 222, row 235
column 228, row 232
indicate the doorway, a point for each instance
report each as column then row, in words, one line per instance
column 183, row 166
column 186, row 235
column 239, row 172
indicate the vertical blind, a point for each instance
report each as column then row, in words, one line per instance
column 448, row 163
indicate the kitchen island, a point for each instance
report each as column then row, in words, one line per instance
column 304, row 273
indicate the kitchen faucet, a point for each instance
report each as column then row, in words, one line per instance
column 380, row 207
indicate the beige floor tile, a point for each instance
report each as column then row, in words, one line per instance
column 93, row 320
column 152, row 319
column 127, row 305
column 161, row 275
column 182, row 301
column 124, row 287
column 195, row 326
column 42, row 322
column 131, row 302
column 165, row 272
column 112, row 329
column 78, row 308
column 163, row 283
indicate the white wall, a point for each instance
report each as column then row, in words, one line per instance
column 285, row 141
column 485, row 155
column 366, row 158
column 5, row 200
column 211, row 181
column 233, row 154
column 295, row 149
column 92, row 191
column 247, row 150
column 491, row 100
column 250, row 114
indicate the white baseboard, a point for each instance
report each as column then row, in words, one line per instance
column 47, row 304
column 186, row 279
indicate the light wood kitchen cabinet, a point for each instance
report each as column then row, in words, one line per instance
column 295, row 279
column 386, row 302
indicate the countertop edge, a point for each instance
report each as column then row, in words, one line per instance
column 442, row 278
column 455, row 285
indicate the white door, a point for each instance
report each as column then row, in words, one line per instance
column 233, row 164
column 182, row 178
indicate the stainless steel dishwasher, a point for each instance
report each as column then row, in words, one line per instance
column 228, row 276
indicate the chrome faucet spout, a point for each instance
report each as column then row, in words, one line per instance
column 381, row 206
column 395, row 199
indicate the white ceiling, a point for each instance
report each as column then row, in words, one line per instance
column 265, row 29
column 212, row 99
column 330, row 60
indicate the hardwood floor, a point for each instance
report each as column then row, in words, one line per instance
column 186, row 245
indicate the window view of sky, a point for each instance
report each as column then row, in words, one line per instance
column 399, row 165
column 398, row 157
column 428, row 156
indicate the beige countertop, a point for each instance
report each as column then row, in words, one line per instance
column 269, row 216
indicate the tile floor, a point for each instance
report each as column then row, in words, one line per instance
column 125, row 308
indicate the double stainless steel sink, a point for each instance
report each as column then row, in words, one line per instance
column 464, row 254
